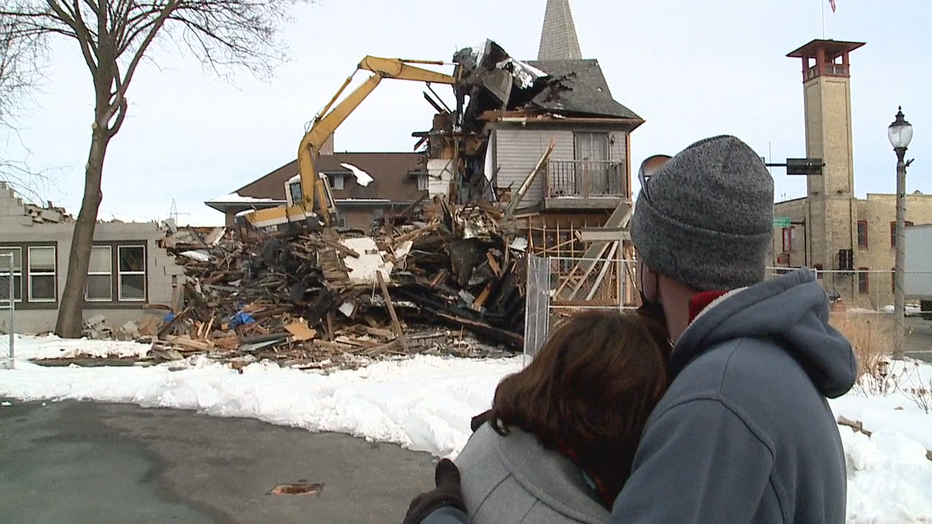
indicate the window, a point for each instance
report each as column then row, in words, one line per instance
column 864, row 283
column 132, row 272
column 862, row 233
column 893, row 280
column 422, row 182
column 34, row 274
column 818, row 271
column 893, row 232
column 294, row 191
column 100, row 275
column 336, row 181
column 789, row 239
column 592, row 169
column 117, row 267
column 16, row 270
column 42, row 285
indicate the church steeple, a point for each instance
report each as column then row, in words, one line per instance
column 558, row 40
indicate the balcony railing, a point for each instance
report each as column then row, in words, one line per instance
column 585, row 179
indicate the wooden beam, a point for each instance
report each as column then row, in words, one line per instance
column 391, row 311
column 603, row 235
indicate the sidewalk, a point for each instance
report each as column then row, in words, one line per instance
column 102, row 463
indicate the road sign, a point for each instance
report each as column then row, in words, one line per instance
column 781, row 222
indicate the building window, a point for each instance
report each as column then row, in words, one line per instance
column 42, row 279
column 100, row 275
column 893, row 232
column 862, row 234
column 16, row 270
column 893, row 280
column 864, row 283
column 132, row 273
column 119, row 267
column 422, row 182
column 336, row 181
column 819, row 268
column 294, row 191
column 789, row 239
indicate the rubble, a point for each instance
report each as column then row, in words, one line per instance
column 444, row 271
column 419, row 283
column 48, row 214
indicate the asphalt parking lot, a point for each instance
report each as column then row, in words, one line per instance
column 77, row 463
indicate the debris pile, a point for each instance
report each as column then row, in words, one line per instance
column 418, row 284
column 48, row 214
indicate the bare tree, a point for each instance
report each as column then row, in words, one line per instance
column 114, row 37
column 15, row 71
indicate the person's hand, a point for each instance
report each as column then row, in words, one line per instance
column 448, row 493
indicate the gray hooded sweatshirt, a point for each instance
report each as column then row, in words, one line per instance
column 745, row 433
column 514, row 480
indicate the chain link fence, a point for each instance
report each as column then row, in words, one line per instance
column 864, row 289
column 7, row 308
column 558, row 286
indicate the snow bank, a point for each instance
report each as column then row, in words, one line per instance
column 425, row 403
column 889, row 478
column 41, row 347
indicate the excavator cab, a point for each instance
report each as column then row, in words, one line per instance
column 299, row 215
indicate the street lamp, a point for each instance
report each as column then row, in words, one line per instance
column 900, row 134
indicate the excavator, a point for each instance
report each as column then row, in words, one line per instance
column 309, row 198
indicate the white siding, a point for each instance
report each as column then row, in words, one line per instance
column 517, row 152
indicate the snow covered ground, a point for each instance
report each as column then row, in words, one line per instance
column 425, row 403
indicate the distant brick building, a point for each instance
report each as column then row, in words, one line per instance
column 851, row 240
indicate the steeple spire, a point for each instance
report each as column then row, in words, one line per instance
column 558, row 40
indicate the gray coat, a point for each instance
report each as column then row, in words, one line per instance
column 513, row 479
column 745, row 434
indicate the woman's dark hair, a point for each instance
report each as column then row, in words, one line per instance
column 588, row 392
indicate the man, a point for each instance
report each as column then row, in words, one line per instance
column 745, row 433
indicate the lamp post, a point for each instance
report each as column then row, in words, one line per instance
column 900, row 134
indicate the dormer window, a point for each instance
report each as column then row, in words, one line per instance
column 336, row 181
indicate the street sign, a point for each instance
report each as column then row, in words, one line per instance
column 781, row 222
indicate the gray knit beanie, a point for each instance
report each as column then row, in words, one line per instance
column 706, row 217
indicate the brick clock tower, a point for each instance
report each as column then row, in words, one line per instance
column 831, row 214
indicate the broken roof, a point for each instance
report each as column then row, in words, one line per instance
column 587, row 92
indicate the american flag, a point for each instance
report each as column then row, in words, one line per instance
column 832, row 3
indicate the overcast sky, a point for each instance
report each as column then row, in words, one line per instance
column 691, row 69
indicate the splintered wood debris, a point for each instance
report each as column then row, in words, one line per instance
column 446, row 281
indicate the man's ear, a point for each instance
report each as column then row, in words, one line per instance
column 648, row 280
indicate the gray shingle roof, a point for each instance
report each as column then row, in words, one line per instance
column 587, row 91
column 558, row 40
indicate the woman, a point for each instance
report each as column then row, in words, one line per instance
column 547, row 451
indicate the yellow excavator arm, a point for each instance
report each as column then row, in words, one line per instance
column 333, row 115
column 316, row 195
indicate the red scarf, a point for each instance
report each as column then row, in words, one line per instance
column 700, row 301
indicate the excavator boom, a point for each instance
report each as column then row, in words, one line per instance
column 333, row 115
column 316, row 196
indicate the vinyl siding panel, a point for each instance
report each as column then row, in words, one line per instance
column 517, row 152
column 618, row 152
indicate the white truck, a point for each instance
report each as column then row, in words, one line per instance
column 918, row 266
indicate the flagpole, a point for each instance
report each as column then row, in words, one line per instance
column 822, row 3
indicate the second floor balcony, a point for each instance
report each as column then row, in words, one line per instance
column 584, row 184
